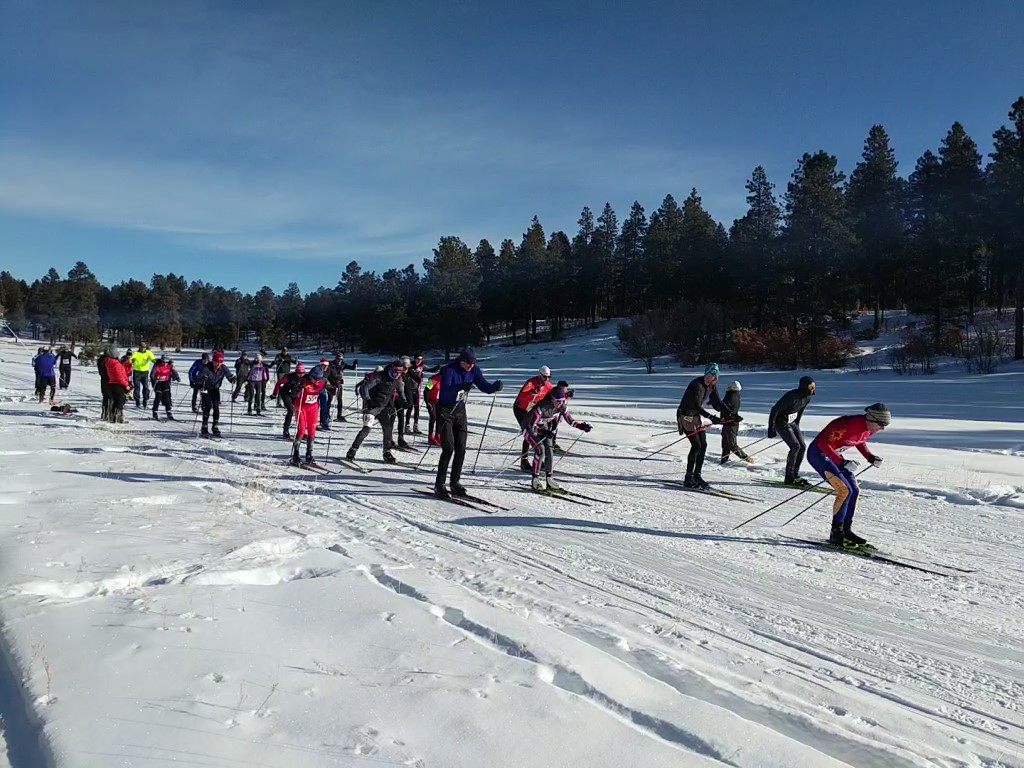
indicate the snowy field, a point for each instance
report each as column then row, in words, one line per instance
column 172, row 601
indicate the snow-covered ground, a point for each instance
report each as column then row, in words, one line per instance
column 171, row 601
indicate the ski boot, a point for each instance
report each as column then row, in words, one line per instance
column 286, row 435
column 389, row 457
column 155, row 417
column 442, row 493
column 294, row 461
column 204, row 432
column 194, row 409
column 552, row 485
column 402, row 443
column 351, row 455
column 538, row 484
column 458, row 489
column 216, row 432
column 700, row 484
column 308, row 460
column 725, row 459
column 852, row 540
column 798, row 482
column 524, row 465
column 688, row 482
column 343, row 418
column 836, row 537
column 748, row 459
column 170, row 416
column 416, row 430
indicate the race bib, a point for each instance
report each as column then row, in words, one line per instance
column 310, row 399
column 461, row 396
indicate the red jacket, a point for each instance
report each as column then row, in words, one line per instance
column 309, row 395
column 533, row 392
column 116, row 374
column 433, row 388
column 844, row 432
column 163, row 372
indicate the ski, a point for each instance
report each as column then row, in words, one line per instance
column 406, row 449
column 485, row 502
column 560, row 497
column 564, row 492
column 313, row 467
column 457, row 500
column 353, row 465
column 874, row 554
column 711, row 492
column 824, row 489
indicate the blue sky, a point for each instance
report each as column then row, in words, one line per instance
column 252, row 143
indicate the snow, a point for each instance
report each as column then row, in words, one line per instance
column 168, row 600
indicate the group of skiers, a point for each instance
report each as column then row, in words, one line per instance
column 390, row 395
column 784, row 423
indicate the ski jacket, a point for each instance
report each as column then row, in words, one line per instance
column 163, row 373
column 142, row 361
column 288, row 385
column 116, row 374
column 308, row 396
column 382, row 391
column 433, row 388
column 411, row 385
column 194, row 371
column 242, row 367
column 455, row 383
column 336, row 372
column 533, row 391
column 794, row 401
column 45, row 364
column 842, row 433
column 257, row 372
column 545, row 417
column 696, row 394
column 128, row 370
column 210, row 378
column 731, row 404
column 283, row 364
column 101, row 366
column 64, row 357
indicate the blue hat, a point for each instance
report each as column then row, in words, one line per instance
column 711, row 369
column 468, row 355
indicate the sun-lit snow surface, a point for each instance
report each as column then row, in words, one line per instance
column 170, row 601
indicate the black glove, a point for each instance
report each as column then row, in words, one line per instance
column 467, row 386
column 716, row 420
column 772, row 432
column 585, row 427
column 875, row 461
column 355, row 362
column 498, row 386
column 737, row 418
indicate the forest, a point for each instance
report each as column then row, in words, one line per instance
column 779, row 286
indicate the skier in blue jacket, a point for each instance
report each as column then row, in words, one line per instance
column 197, row 366
column 457, row 379
column 46, row 364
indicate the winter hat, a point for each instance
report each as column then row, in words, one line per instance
column 545, row 371
column 259, row 357
column 711, row 369
column 324, row 360
column 405, row 361
column 878, row 413
column 218, row 357
column 205, row 356
column 164, row 359
column 379, row 369
column 467, row 355
column 805, row 382
column 734, row 386
column 300, row 368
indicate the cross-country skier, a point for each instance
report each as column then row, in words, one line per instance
column 197, row 366
column 46, row 365
column 101, row 366
column 540, row 433
column 142, row 361
column 282, row 365
column 64, row 358
column 118, row 387
column 688, row 418
column 336, row 380
column 209, row 379
column 256, row 385
column 163, row 374
column 411, row 395
column 793, row 402
column 287, row 388
column 457, row 379
column 731, row 423
column 532, row 392
column 381, row 392
column 431, row 390
column 416, row 371
column 242, row 366
column 307, row 405
column 824, row 456
column 39, row 353
column 326, row 393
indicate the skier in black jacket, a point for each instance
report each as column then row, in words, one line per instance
column 101, row 364
column 730, row 425
column 410, row 394
column 286, row 388
column 793, row 402
column 336, row 381
column 688, row 417
column 242, row 366
column 64, row 356
column 382, row 393
column 209, row 380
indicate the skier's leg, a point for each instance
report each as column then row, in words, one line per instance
column 215, row 407
column 460, row 429
column 206, row 405
column 416, row 414
column 445, row 417
column 787, row 436
column 796, row 457
column 702, row 449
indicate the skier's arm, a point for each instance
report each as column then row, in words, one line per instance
column 483, row 384
column 865, row 451
column 716, row 401
column 350, row 366
column 434, row 369
column 775, row 412
column 799, row 415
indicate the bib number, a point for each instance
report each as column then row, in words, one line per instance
column 310, row 399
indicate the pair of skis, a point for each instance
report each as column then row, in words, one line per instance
column 924, row 566
column 712, row 492
column 468, row 501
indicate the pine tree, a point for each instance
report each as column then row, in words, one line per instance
column 453, row 289
column 530, row 271
column 699, row 248
column 1005, row 176
column 608, row 276
column 508, row 269
column 961, row 194
column 486, row 261
column 663, row 281
column 874, row 197
column 289, row 308
column 630, row 257
column 754, row 265
column 81, row 298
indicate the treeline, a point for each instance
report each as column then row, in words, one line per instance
column 944, row 241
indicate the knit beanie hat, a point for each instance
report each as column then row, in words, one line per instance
column 711, row 369
column 878, row 413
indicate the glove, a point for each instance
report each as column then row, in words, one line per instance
column 716, row 420
column 585, row 427
column 850, row 465
column 737, row 418
column 355, row 363
column 467, row 386
column 498, row 386
column 876, row 461
column 772, row 433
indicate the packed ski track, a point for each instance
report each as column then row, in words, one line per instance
column 172, row 600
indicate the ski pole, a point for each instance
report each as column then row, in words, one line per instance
column 799, row 493
column 762, row 450
column 759, row 440
column 231, row 415
column 822, row 496
column 429, row 446
column 327, row 455
column 195, row 421
column 662, row 434
column 483, row 434
column 567, row 451
column 684, row 437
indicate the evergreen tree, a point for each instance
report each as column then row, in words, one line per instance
column 874, row 197
column 608, row 275
column 13, row 298
column 754, row 266
column 530, row 272
column 558, row 295
column 486, row 261
column 663, row 278
column 81, row 299
column 630, row 258
column 289, row 309
column 1005, row 176
column 452, row 294
column 508, row 269
column 163, row 310
column 46, row 304
column 264, row 311
column 700, row 248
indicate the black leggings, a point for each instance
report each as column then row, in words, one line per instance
column 454, row 427
column 693, row 428
column 162, row 396
column 791, row 436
